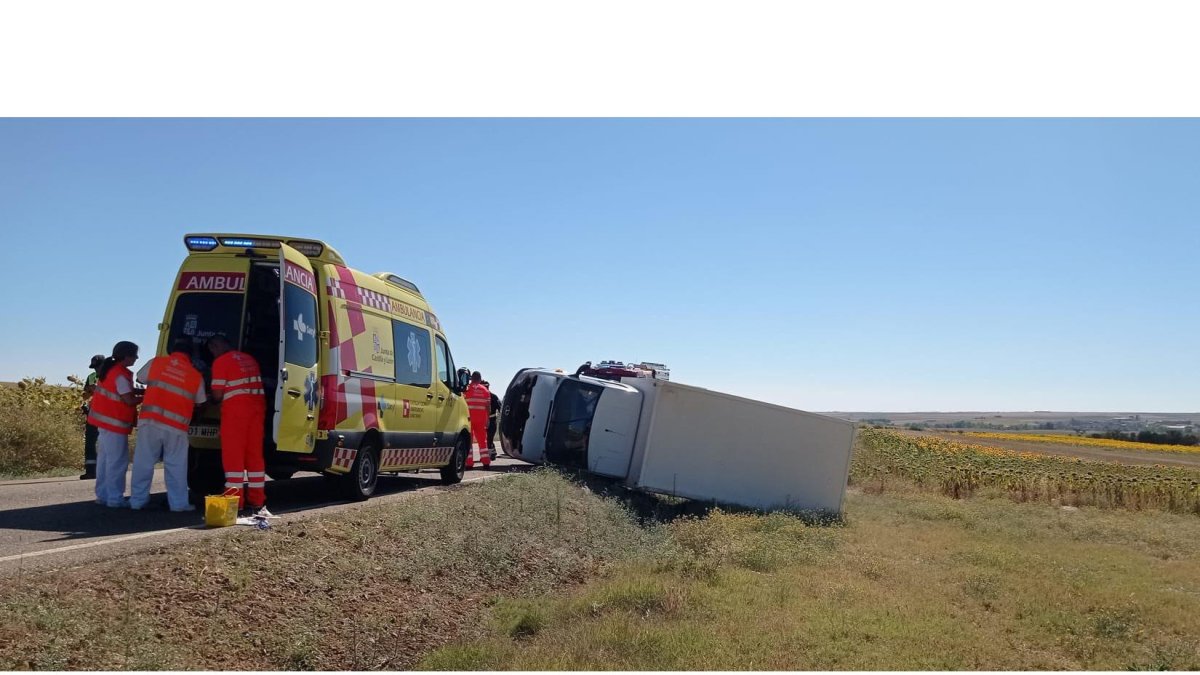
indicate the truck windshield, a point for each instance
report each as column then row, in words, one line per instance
column 571, row 422
column 515, row 412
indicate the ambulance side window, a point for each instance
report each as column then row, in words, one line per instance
column 412, row 354
column 445, row 364
column 299, row 326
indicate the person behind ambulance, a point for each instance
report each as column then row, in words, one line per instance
column 113, row 411
column 237, row 386
column 479, row 400
column 493, row 420
column 173, row 389
column 90, row 432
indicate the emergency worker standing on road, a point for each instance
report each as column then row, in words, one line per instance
column 113, row 411
column 173, row 389
column 479, row 400
column 90, row 432
column 237, row 386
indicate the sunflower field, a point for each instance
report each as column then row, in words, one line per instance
column 961, row 470
column 1065, row 439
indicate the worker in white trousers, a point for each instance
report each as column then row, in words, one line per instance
column 173, row 388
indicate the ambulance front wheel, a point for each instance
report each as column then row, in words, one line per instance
column 457, row 466
column 359, row 484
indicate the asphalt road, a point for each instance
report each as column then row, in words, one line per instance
column 54, row 522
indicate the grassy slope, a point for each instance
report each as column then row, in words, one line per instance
column 912, row 582
column 496, row 576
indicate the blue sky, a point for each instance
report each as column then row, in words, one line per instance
column 883, row 265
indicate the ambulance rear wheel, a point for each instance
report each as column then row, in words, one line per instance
column 457, row 466
column 359, row 484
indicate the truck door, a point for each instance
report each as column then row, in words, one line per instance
column 297, row 393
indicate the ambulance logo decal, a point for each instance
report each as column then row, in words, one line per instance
column 302, row 328
column 375, row 341
column 414, row 353
column 311, row 397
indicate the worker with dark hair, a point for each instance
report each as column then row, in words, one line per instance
column 173, row 389
column 479, row 399
column 113, row 411
column 90, row 432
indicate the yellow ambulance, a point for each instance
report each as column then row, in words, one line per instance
column 358, row 374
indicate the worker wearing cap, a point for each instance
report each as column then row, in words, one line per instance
column 237, row 386
column 90, row 432
column 479, row 400
column 114, row 411
column 173, row 388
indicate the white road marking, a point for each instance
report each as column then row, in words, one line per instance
column 75, row 547
column 142, row 535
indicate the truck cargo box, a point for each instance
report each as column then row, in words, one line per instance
column 681, row 440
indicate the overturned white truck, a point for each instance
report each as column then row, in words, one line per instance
column 675, row 439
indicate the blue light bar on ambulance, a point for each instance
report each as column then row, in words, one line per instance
column 311, row 249
column 239, row 242
column 200, row 243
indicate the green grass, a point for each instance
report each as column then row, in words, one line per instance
column 911, row 581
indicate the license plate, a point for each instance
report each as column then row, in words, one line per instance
column 203, row 432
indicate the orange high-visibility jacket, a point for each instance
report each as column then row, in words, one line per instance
column 171, row 391
column 108, row 411
column 479, row 400
column 236, row 374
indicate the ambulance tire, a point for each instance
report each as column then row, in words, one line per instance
column 360, row 483
column 281, row 474
column 457, row 466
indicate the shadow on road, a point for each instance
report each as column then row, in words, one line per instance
column 82, row 520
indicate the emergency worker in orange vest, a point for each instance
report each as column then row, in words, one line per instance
column 479, row 401
column 237, row 386
column 173, row 389
column 113, row 412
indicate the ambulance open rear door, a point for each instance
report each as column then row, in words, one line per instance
column 297, row 393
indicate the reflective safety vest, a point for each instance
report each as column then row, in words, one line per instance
column 171, row 391
column 108, row 411
column 237, row 376
column 479, row 399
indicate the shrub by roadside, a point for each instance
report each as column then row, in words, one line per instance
column 41, row 428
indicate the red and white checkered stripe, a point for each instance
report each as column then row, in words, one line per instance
column 373, row 299
column 399, row 457
column 334, row 286
column 344, row 457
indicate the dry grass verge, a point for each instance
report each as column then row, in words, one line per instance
column 373, row 588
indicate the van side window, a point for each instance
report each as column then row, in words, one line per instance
column 413, row 360
column 445, row 363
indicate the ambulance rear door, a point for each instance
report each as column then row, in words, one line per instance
column 297, row 396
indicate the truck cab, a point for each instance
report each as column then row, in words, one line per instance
column 577, row 421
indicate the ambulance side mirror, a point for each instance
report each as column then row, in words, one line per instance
column 464, row 379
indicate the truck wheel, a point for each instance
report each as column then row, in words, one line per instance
column 457, row 466
column 360, row 483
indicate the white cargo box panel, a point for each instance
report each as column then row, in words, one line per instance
column 707, row 445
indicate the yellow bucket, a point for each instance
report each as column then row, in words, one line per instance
column 221, row 510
